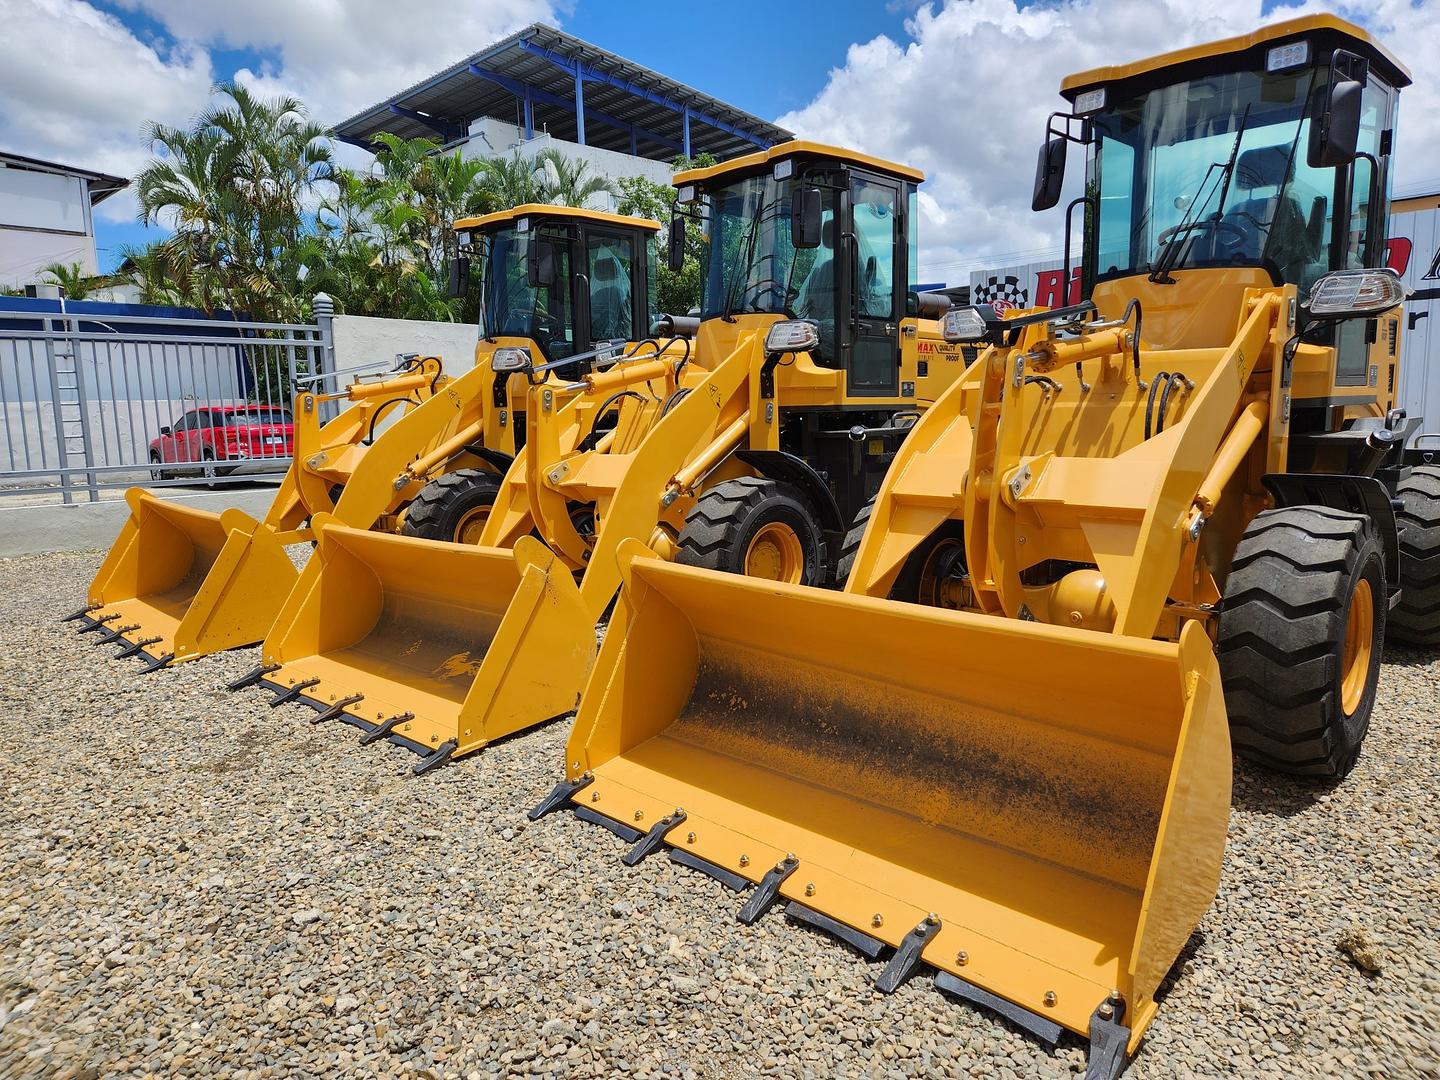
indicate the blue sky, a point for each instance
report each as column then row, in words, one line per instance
column 775, row 71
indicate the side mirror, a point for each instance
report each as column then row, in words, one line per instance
column 540, row 264
column 165, row 430
column 1049, row 174
column 675, row 251
column 1335, row 133
column 459, row 277
column 805, row 218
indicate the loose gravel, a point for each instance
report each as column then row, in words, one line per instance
column 192, row 883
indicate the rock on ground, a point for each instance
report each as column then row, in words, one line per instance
column 194, row 884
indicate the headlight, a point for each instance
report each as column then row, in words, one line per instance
column 510, row 359
column 967, row 324
column 1351, row 293
column 1090, row 101
column 1282, row 57
column 792, row 335
column 686, row 194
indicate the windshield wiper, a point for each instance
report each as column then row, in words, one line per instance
column 1170, row 253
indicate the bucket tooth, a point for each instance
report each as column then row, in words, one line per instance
column 731, row 880
column 907, row 957
column 866, row 945
column 1047, row 1031
column 134, row 647
column 562, row 794
column 337, row 710
column 157, row 663
column 81, row 614
column 251, row 677
column 439, row 756
column 651, row 842
column 768, row 890
column 1109, row 1039
column 284, row 697
column 385, row 727
column 109, row 637
column 99, row 623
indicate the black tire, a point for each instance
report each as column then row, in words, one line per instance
column 450, row 506
column 208, row 470
column 1297, row 588
column 940, row 556
column 851, row 543
column 157, row 472
column 730, row 518
column 1416, row 619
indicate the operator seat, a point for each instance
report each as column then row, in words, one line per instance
column 816, row 299
column 1275, row 225
column 610, row 315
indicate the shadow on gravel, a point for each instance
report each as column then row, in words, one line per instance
column 1405, row 657
column 1259, row 790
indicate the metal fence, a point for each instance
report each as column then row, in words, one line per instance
column 96, row 402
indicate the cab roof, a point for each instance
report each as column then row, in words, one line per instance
column 796, row 148
column 1321, row 26
column 549, row 210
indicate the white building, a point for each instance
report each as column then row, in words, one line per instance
column 46, row 216
column 542, row 88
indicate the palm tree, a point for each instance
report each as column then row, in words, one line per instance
column 568, row 181
column 512, row 180
column 74, row 280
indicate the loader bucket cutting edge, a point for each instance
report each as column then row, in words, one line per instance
column 1057, row 798
column 473, row 643
column 191, row 582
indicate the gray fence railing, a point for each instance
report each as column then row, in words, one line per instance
column 95, row 402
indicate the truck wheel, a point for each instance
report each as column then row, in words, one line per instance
column 851, row 544
column 156, row 470
column 931, row 572
column 1301, row 629
column 453, row 507
column 756, row 527
column 1416, row 619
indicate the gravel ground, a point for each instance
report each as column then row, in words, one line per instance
column 194, row 884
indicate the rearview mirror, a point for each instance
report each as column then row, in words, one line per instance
column 805, row 218
column 459, row 277
column 675, row 252
column 1049, row 174
column 165, row 430
column 1335, row 134
column 540, row 264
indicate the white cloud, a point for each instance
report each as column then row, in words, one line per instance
column 965, row 98
column 77, row 86
column 341, row 57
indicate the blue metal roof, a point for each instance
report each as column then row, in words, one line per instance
column 574, row 90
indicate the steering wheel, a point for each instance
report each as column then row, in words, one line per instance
column 1204, row 225
column 773, row 287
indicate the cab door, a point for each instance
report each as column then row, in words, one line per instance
column 876, row 276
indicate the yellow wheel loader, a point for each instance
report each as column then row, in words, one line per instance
column 811, row 362
column 181, row 583
column 1002, row 754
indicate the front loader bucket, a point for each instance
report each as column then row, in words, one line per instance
column 1056, row 799
column 181, row 583
column 439, row 647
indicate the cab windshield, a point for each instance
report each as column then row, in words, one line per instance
column 510, row 307
column 1217, row 166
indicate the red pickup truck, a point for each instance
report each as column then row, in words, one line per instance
column 225, row 439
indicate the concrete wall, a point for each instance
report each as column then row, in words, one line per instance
column 494, row 138
column 360, row 340
column 44, row 218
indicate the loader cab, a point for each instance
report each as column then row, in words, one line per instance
column 1258, row 161
column 560, row 280
column 811, row 233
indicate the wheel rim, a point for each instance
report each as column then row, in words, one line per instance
column 472, row 525
column 937, row 570
column 775, row 554
column 1359, row 644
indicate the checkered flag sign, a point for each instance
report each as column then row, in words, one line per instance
column 1002, row 293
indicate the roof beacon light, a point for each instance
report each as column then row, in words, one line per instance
column 1284, row 57
column 1351, row 293
column 1090, row 101
column 792, row 335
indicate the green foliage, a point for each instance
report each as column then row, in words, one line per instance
column 678, row 290
column 264, row 219
column 74, row 280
